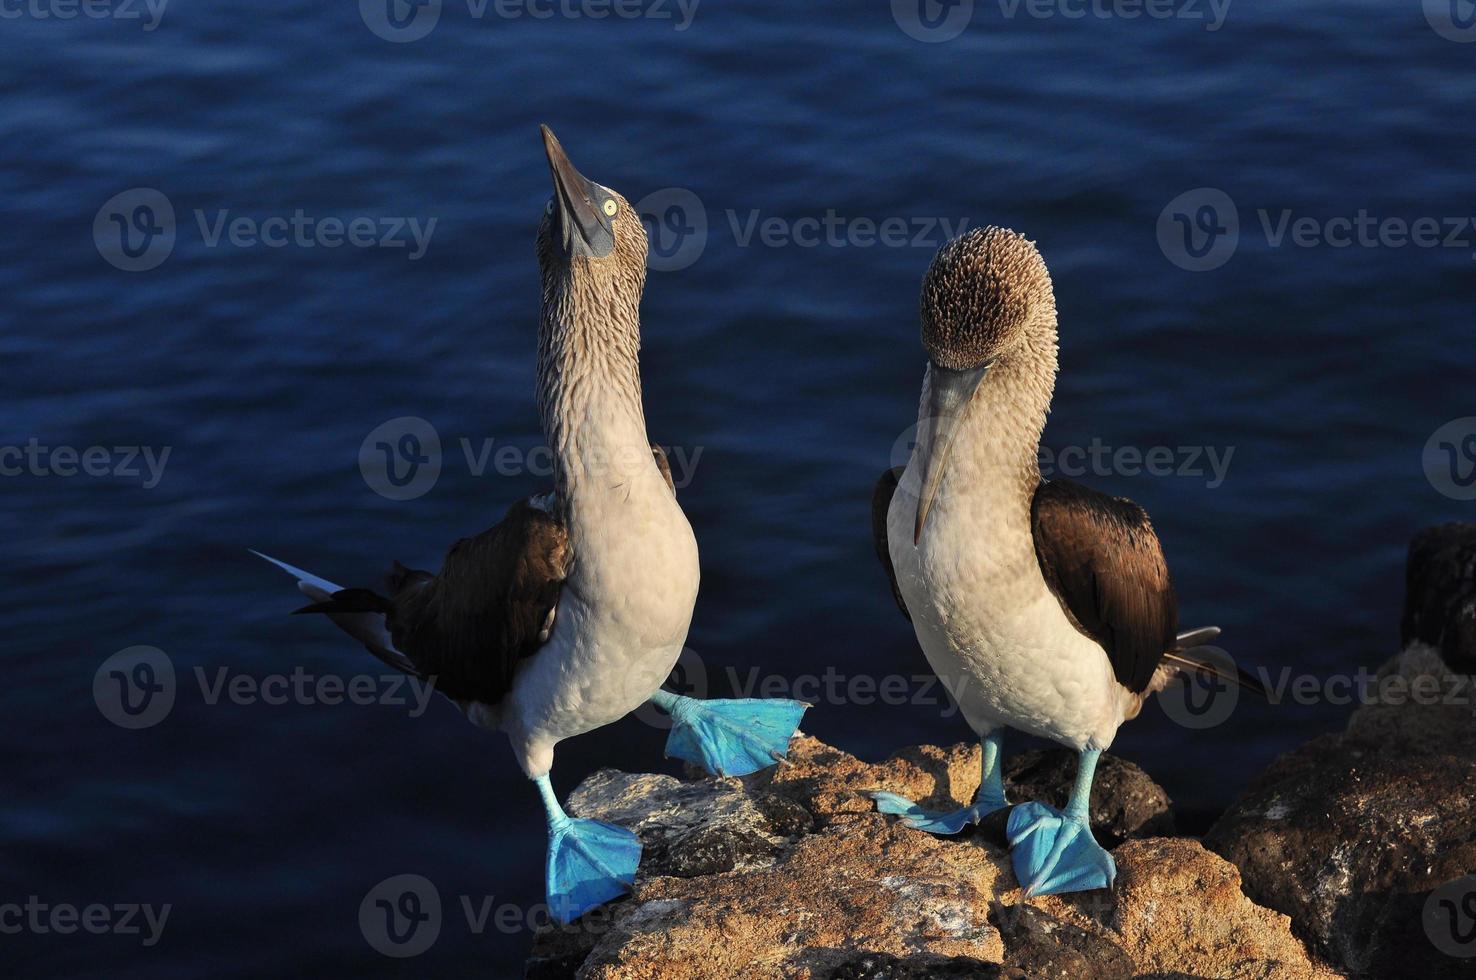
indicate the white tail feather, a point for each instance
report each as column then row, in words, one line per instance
column 367, row 628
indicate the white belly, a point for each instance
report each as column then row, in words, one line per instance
column 621, row 624
column 991, row 628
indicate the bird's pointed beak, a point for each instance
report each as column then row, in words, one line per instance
column 949, row 393
column 583, row 228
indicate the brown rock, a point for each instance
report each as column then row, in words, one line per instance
column 858, row 895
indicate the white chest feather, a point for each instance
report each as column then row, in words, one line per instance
column 991, row 628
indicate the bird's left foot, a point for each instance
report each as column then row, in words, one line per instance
column 1055, row 853
column 732, row 737
column 931, row 821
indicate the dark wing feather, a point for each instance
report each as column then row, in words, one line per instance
column 471, row 624
column 1102, row 560
column 664, row 465
column 881, row 502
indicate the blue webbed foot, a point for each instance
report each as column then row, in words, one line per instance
column 1055, row 853
column 589, row 863
column 933, row 822
column 732, row 737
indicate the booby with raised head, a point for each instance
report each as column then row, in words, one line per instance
column 1043, row 606
column 571, row 611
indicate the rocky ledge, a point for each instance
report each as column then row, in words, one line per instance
column 791, row 873
column 1351, row 856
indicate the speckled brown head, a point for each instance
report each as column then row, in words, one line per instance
column 986, row 295
column 984, row 290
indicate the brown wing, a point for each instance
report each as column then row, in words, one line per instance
column 664, row 465
column 489, row 607
column 1102, row 560
column 881, row 502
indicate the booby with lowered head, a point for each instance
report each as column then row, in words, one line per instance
column 1043, row 606
column 571, row 611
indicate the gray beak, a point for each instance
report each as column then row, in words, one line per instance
column 583, row 228
column 949, row 393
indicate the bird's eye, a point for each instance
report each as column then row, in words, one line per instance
column 610, row 207
column 549, row 207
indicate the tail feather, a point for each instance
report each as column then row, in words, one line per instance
column 349, row 601
column 1184, row 658
column 351, row 610
column 1196, row 637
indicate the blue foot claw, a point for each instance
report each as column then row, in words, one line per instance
column 730, row 737
column 917, row 818
column 1054, row 853
column 589, row 863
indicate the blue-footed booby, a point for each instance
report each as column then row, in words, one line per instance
column 572, row 610
column 1044, row 606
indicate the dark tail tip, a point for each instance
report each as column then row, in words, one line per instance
column 348, row 601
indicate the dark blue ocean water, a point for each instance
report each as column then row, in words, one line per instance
column 792, row 368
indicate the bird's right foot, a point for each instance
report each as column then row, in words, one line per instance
column 930, row 821
column 589, row 863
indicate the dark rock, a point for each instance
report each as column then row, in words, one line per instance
column 559, row 951
column 1351, row 833
column 884, row 966
column 1440, row 593
column 1126, row 802
column 1044, row 948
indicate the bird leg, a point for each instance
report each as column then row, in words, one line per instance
column 589, row 862
column 1054, row 852
column 989, row 798
column 730, row 737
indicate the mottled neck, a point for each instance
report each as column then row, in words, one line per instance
column 589, row 388
column 996, row 453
